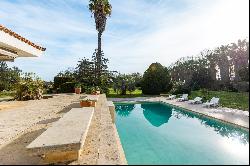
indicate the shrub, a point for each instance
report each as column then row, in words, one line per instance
column 204, row 95
column 156, row 79
column 68, row 87
column 48, row 87
column 89, row 89
column 242, row 86
column 104, row 89
column 180, row 88
column 78, row 85
column 29, row 87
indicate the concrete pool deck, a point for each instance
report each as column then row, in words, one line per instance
column 233, row 116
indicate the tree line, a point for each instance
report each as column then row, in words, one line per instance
column 224, row 68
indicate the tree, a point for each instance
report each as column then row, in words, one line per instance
column 201, row 79
column 221, row 54
column 70, row 73
column 120, row 85
column 126, row 82
column 85, row 72
column 211, row 60
column 100, row 9
column 100, row 68
column 156, row 79
column 239, row 53
column 8, row 76
column 3, row 75
column 244, row 74
column 218, row 69
column 137, row 78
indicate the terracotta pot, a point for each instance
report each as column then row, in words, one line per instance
column 87, row 104
column 78, row 90
column 96, row 93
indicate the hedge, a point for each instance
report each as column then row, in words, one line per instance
column 68, row 87
column 58, row 81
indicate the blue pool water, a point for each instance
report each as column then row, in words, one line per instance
column 155, row 133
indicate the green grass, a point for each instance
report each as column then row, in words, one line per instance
column 136, row 93
column 227, row 99
column 6, row 94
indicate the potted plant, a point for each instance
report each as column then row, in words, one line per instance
column 78, row 88
column 93, row 91
column 87, row 103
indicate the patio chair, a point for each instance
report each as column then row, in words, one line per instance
column 214, row 102
column 197, row 100
column 184, row 97
column 171, row 97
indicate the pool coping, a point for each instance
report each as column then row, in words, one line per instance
column 120, row 148
column 211, row 117
column 185, row 109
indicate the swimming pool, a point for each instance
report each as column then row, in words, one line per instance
column 156, row 133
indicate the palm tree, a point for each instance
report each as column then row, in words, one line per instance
column 101, row 9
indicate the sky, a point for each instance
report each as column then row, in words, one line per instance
column 138, row 33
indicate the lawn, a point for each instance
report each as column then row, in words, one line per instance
column 136, row 93
column 6, row 94
column 237, row 100
column 227, row 99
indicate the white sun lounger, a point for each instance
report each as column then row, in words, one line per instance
column 171, row 97
column 197, row 100
column 214, row 102
column 184, row 97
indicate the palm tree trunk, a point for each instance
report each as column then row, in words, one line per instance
column 99, row 52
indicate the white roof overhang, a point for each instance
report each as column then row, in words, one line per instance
column 13, row 45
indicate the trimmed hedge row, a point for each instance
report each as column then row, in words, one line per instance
column 67, row 87
column 58, row 81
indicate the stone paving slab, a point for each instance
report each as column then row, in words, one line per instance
column 70, row 130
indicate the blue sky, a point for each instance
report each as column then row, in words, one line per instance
column 138, row 33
